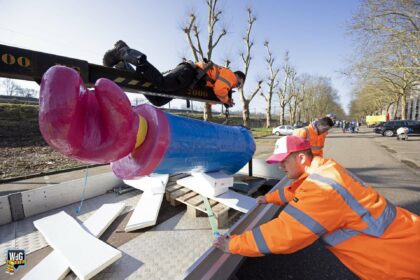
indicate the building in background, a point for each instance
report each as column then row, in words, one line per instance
column 412, row 107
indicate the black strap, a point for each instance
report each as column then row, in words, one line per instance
column 200, row 73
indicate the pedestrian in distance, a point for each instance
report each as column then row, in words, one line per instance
column 343, row 126
column 366, row 232
column 185, row 76
column 352, row 126
column 315, row 133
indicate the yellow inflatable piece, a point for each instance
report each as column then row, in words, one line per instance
column 141, row 132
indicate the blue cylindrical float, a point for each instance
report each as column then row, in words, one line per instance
column 175, row 144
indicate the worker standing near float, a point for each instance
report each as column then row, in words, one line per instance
column 315, row 133
column 367, row 233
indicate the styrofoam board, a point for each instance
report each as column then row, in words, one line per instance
column 217, row 179
column 146, row 212
column 232, row 199
column 42, row 199
column 205, row 187
column 55, row 266
column 236, row 201
column 103, row 218
column 85, row 254
column 155, row 182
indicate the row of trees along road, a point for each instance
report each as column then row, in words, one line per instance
column 11, row 88
column 300, row 97
column 303, row 97
column 386, row 67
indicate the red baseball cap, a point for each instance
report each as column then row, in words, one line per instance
column 287, row 145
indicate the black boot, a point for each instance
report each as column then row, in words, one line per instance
column 151, row 74
column 121, row 52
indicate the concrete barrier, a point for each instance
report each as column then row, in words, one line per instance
column 54, row 196
column 5, row 215
column 50, row 197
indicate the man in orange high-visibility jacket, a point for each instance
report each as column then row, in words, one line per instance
column 222, row 80
column 367, row 233
column 315, row 133
column 183, row 77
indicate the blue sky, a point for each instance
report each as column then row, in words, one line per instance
column 312, row 31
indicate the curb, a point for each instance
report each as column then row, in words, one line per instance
column 412, row 165
column 19, row 178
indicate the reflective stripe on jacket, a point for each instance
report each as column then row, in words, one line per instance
column 372, row 237
column 317, row 141
column 221, row 79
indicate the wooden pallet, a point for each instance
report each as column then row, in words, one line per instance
column 177, row 194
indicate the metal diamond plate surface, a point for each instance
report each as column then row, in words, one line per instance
column 165, row 252
column 23, row 235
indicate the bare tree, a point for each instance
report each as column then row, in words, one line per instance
column 320, row 98
column 372, row 99
column 246, row 59
column 193, row 37
column 283, row 91
column 297, row 93
column 10, row 87
column 388, row 32
column 272, row 83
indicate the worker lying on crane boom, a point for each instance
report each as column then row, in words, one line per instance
column 185, row 76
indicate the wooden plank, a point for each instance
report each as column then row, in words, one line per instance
column 170, row 189
column 55, row 266
column 85, row 254
column 196, row 200
column 202, row 206
column 177, row 193
column 222, row 214
column 175, row 177
column 186, row 196
column 146, row 212
column 220, row 209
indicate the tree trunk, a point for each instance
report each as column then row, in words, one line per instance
column 397, row 104
column 268, row 113
column 207, row 114
column 403, row 107
column 282, row 112
column 245, row 114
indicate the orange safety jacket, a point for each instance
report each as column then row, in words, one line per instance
column 221, row 79
column 317, row 141
column 372, row 237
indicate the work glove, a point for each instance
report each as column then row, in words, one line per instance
column 91, row 125
column 229, row 104
column 261, row 200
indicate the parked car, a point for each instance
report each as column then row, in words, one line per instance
column 389, row 128
column 283, row 130
column 299, row 125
